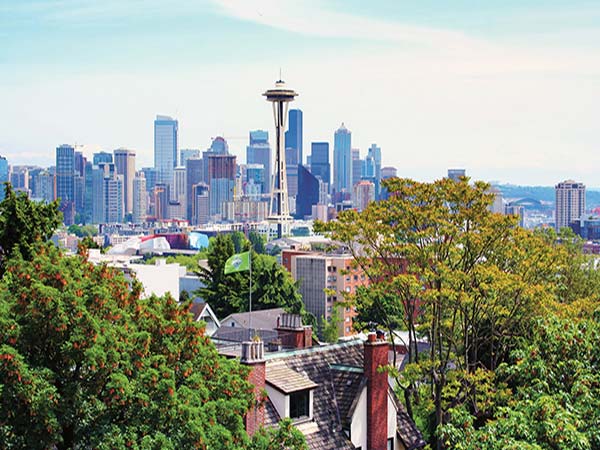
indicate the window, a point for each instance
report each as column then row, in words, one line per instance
column 299, row 404
column 347, row 319
column 390, row 444
column 347, row 329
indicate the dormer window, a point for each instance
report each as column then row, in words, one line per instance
column 299, row 404
column 290, row 392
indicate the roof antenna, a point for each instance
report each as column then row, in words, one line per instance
column 280, row 74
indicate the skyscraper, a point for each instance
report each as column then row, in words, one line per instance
column 187, row 153
column 357, row 166
column 373, row 168
column 259, row 152
column 194, row 175
column 342, row 160
column 125, row 165
column 3, row 175
column 456, row 174
column 165, row 148
column 363, row 193
column 221, row 180
column 178, row 197
column 319, row 161
column 65, row 181
column 293, row 137
column 140, row 198
column 570, row 203
column 308, row 192
column 102, row 157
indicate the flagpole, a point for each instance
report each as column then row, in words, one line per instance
column 250, row 290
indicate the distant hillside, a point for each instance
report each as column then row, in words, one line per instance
column 544, row 194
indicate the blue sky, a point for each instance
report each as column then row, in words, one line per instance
column 508, row 89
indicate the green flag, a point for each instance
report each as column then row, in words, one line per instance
column 237, row 263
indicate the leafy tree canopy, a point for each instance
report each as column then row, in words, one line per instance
column 442, row 266
column 272, row 285
column 23, row 223
column 83, row 230
column 86, row 363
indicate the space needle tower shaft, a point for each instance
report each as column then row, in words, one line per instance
column 279, row 209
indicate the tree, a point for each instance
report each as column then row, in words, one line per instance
column 86, row 363
column 272, row 285
column 257, row 241
column 83, row 230
column 441, row 265
column 331, row 327
column 23, row 223
column 555, row 402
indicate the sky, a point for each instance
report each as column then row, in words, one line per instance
column 508, row 89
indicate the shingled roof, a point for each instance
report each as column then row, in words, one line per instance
column 337, row 372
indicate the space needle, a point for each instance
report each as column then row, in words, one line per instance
column 279, row 207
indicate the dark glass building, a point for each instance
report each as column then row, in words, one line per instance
column 293, row 137
column 308, row 192
column 319, row 161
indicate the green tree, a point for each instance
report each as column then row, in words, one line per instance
column 83, row 230
column 555, row 401
column 272, row 285
column 240, row 243
column 331, row 327
column 23, row 223
column 86, row 363
column 257, row 241
column 441, row 265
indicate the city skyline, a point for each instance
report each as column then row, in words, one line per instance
column 509, row 91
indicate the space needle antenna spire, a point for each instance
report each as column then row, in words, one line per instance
column 279, row 208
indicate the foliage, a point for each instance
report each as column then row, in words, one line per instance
column 257, row 241
column 272, row 285
column 23, row 223
column 190, row 262
column 556, row 402
column 284, row 437
column 83, row 230
column 86, row 363
column 442, row 266
column 239, row 241
column 331, row 328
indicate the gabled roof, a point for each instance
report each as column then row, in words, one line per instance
column 325, row 432
column 201, row 309
column 265, row 319
column 348, row 383
column 337, row 371
column 287, row 380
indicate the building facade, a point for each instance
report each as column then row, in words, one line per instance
column 165, row 148
column 125, row 164
column 570, row 203
column 342, row 160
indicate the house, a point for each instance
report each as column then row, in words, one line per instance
column 241, row 327
column 203, row 312
column 334, row 394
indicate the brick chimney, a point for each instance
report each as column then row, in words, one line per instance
column 253, row 356
column 375, row 356
column 292, row 333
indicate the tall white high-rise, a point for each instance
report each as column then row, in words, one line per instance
column 140, row 198
column 570, row 203
column 125, row 165
column 165, row 148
